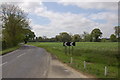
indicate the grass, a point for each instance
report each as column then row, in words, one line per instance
column 96, row 54
column 9, row 50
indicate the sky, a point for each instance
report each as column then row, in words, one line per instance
column 51, row 18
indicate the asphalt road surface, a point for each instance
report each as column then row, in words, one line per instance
column 26, row 62
column 35, row 62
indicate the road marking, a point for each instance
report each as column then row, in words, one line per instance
column 21, row 55
column 3, row 63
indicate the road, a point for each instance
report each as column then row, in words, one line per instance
column 26, row 62
column 35, row 62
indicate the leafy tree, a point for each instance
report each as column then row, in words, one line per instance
column 96, row 33
column 113, row 38
column 29, row 35
column 65, row 37
column 87, row 37
column 40, row 39
column 45, row 39
column 52, row 39
column 14, row 23
column 76, row 38
column 58, row 38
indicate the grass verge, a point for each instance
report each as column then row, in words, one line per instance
column 3, row 52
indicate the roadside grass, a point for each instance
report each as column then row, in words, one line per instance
column 96, row 54
column 3, row 52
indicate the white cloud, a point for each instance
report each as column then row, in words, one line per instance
column 92, row 5
column 69, row 22
column 30, row 6
column 59, row 0
column 88, row 0
column 107, row 27
column 21, row 0
column 108, row 16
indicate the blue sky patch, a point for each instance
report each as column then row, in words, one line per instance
column 56, row 7
column 39, row 19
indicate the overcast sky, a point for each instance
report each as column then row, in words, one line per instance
column 51, row 18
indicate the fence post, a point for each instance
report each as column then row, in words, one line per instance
column 72, row 50
column 84, row 64
column 66, row 50
column 105, row 73
column 71, row 60
column 69, row 50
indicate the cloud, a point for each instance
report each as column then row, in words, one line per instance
column 92, row 5
column 73, row 23
column 59, row 0
column 108, row 16
column 88, row 0
column 30, row 6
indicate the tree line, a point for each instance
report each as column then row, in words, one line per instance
column 94, row 36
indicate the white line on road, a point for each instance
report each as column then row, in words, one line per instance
column 21, row 55
column 3, row 63
column 7, row 62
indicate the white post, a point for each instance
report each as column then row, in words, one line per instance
column 105, row 71
column 84, row 64
column 71, row 60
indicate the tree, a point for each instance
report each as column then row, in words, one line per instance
column 117, row 31
column 87, row 37
column 52, row 39
column 113, row 38
column 65, row 37
column 96, row 33
column 58, row 38
column 103, row 40
column 29, row 35
column 14, row 23
column 76, row 38
column 40, row 38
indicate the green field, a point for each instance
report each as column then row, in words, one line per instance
column 96, row 54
